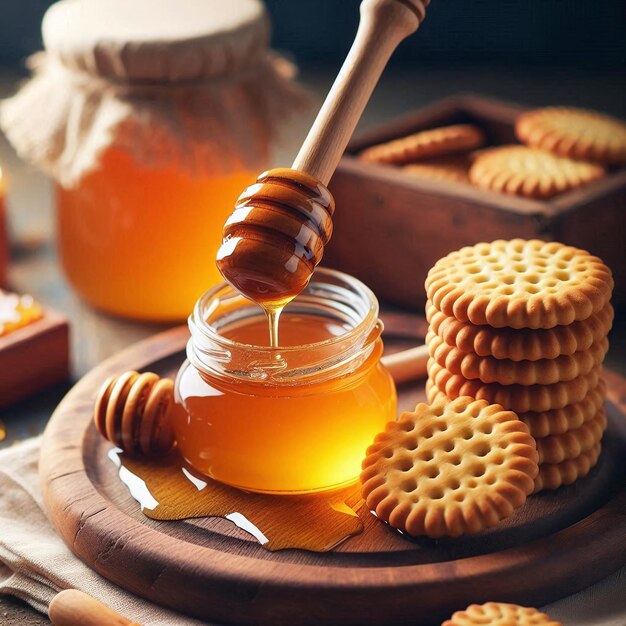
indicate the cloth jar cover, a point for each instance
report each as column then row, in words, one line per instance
column 191, row 81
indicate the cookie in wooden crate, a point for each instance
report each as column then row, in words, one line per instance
column 574, row 133
column 435, row 142
column 529, row 172
column 451, row 168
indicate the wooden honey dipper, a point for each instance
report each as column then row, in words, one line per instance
column 276, row 236
column 132, row 411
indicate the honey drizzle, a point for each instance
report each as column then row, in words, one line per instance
column 273, row 315
column 275, row 238
column 167, row 489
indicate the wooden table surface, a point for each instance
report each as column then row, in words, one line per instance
column 95, row 336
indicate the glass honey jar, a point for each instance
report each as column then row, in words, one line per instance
column 292, row 419
column 151, row 116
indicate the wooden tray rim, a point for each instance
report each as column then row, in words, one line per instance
column 609, row 520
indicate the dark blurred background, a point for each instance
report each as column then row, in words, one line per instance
column 577, row 34
column 535, row 52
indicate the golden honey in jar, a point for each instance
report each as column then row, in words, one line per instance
column 151, row 116
column 292, row 419
column 138, row 241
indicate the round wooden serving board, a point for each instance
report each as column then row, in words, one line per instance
column 557, row 544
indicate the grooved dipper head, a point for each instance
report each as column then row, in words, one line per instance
column 276, row 235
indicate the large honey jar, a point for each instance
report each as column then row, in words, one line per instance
column 151, row 116
column 292, row 419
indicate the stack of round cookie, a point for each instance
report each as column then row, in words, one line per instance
column 524, row 324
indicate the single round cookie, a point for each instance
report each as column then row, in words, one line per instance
column 552, row 422
column 573, row 443
column 518, row 398
column 425, row 144
column 453, row 168
column 500, row 614
column 529, row 172
column 553, row 476
column 449, row 469
column 522, row 344
column 519, row 284
column 505, row 372
column 574, row 133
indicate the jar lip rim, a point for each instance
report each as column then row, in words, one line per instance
column 365, row 325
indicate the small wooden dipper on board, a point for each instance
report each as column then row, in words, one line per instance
column 276, row 236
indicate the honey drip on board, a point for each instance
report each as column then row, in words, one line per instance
column 167, row 489
column 275, row 238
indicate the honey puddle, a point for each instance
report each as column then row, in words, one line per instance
column 166, row 489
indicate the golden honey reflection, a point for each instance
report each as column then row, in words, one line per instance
column 167, row 489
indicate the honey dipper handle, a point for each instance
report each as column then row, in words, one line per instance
column 407, row 365
column 72, row 607
column 384, row 24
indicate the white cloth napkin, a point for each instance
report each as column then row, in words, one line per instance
column 35, row 564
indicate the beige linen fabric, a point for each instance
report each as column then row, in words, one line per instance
column 35, row 563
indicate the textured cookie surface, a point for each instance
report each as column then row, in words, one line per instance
column 518, row 398
column 425, row 144
column 553, row 476
column 555, row 421
column 449, row 469
column 529, row 172
column 499, row 614
column 522, row 344
column 519, row 284
column 453, row 168
column 574, row 133
column 506, row 372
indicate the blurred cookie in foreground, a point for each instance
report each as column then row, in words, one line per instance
column 452, row 168
column 530, row 172
column 436, row 142
column 450, row 468
column 500, row 614
column 574, row 133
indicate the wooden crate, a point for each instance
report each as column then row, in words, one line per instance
column 391, row 227
column 34, row 357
